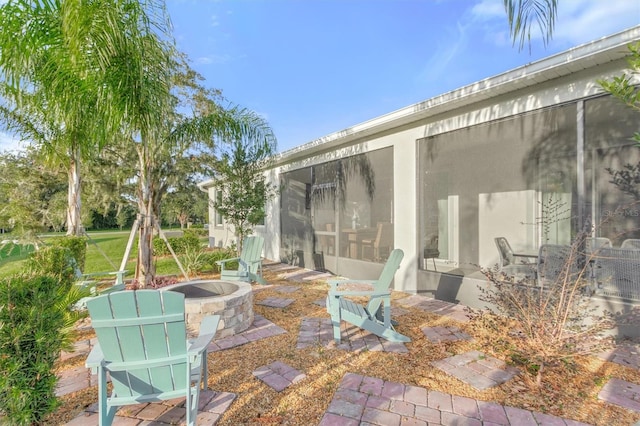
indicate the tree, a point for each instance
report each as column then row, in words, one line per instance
column 240, row 179
column 49, row 86
column 624, row 89
column 523, row 14
column 33, row 196
column 173, row 124
column 184, row 203
column 63, row 78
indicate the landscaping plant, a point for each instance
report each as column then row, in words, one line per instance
column 32, row 327
column 53, row 261
column 189, row 241
column 77, row 248
column 221, row 254
column 194, row 260
column 544, row 322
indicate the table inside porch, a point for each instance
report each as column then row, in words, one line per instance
column 354, row 237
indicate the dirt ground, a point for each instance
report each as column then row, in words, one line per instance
column 568, row 390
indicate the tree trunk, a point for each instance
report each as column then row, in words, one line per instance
column 74, row 221
column 145, row 269
column 183, row 219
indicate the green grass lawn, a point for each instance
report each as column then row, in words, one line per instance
column 12, row 257
column 104, row 254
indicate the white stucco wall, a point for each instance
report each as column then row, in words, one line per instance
column 561, row 78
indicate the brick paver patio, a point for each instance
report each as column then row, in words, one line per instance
column 622, row 393
column 279, row 375
column 211, row 407
column 476, row 369
column 260, row 329
column 363, row 400
column 319, row 332
column 441, row 334
column 275, row 302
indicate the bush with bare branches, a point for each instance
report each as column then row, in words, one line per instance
column 550, row 320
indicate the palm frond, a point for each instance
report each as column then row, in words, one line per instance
column 524, row 14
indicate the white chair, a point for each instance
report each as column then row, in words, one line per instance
column 631, row 243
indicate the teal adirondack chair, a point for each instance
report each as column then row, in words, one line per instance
column 367, row 317
column 142, row 344
column 249, row 262
column 88, row 282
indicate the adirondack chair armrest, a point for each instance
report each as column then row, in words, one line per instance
column 118, row 274
column 335, row 283
column 223, row 262
column 334, row 293
column 208, row 329
column 360, row 283
column 95, row 358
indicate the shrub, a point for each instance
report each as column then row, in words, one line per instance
column 160, row 247
column 56, row 261
column 194, row 260
column 32, row 320
column 190, row 241
column 77, row 247
column 547, row 321
column 180, row 245
column 220, row 254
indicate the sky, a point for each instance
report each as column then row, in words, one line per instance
column 315, row 67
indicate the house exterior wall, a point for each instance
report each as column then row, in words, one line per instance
column 557, row 80
column 220, row 234
column 561, row 87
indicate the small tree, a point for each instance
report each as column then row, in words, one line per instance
column 243, row 185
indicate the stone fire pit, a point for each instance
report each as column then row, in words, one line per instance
column 232, row 300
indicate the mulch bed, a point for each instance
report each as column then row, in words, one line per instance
column 568, row 390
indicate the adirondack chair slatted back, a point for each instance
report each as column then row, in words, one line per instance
column 251, row 251
column 375, row 317
column 140, row 327
column 386, row 277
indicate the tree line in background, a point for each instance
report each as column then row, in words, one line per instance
column 34, row 199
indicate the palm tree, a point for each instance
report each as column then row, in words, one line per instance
column 63, row 76
column 523, row 14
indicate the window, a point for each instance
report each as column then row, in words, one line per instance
column 513, row 178
column 219, row 218
column 339, row 209
column 612, row 156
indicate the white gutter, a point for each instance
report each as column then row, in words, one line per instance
column 204, row 186
column 599, row 52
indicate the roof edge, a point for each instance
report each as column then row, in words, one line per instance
column 597, row 52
